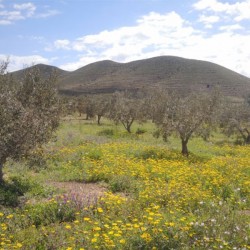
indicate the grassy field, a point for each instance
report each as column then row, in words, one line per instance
column 98, row 187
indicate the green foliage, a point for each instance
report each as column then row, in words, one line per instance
column 106, row 132
column 157, row 198
column 140, row 131
column 9, row 195
column 123, row 183
column 50, row 212
column 19, row 186
column 29, row 113
column 37, row 161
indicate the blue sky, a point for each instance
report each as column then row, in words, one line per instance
column 73, row 33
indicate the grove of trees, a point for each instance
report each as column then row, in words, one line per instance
column 29, row 113
column 235, row 120
column 184, row 115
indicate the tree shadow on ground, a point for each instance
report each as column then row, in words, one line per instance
column 10, row 193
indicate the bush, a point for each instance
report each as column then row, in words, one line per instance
column 8, row 195
column 20, row 186
column 106, row 132
column 122, row 184
column 51, row 212
column 140, row 131
column 37, row 161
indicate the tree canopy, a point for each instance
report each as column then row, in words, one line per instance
column 29, row 113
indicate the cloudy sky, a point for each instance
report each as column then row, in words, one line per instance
column 73, row 33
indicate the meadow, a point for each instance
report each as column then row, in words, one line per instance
column 149, row 195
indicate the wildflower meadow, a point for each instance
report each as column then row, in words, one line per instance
column 150, row 196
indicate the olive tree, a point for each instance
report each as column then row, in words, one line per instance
column 29, row 113
column 86, row 105
column 235, row 119
column 187, row 116
column 101, row 106
column 125, row 108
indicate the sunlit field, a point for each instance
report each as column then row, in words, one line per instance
column 152, row 197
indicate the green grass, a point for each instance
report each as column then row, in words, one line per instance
column 157, row 198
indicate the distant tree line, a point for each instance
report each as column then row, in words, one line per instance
column 194, row 114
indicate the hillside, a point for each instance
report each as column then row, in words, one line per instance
column 173, row 72
column 45, row 70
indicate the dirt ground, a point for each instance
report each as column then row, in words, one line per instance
column 80, row 193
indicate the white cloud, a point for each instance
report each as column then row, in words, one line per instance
column 48, row 13
column 4, row 22
column 29, row 8
column 231, row 27
column 163, row 34
column 19, row 12
column 20, row 62
column 22, row 12
column 151, row 30
column 239, row 10
column 209, row 20
column 62, row 44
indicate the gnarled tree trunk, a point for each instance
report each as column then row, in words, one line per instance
column 1, row 171
column 99, row 119
column 184, row 149
column 247, row 140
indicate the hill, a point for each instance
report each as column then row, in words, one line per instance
column 173, row 72
column 45, row 70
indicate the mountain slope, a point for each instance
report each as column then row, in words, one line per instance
column 45, row 71
column 173, row 72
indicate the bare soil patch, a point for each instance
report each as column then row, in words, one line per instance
column 81, row 193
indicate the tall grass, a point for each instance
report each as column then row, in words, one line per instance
column 155, row 199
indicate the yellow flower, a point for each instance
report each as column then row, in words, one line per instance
column 100, row 210
column 122, row 241
column 146, row 237
column 19, row 245
column 94, row 240
column 68, row 227
column 1, row 214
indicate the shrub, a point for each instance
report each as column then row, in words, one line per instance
column 123, row 184
column 106, row 132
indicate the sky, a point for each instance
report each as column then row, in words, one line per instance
column 70, row 34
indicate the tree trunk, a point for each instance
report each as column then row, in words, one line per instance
column 87, row 116
column 247, row 140
column 184, row 150
column 129, row 124
column 1, row 172
column 128, row 127
column 99, row 119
